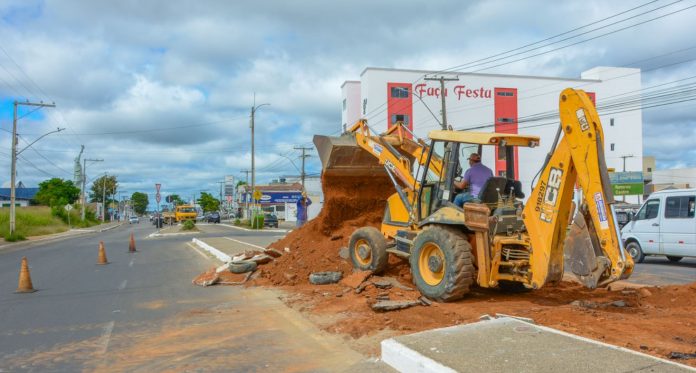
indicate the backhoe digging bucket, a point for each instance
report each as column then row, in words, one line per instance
column 582, row 255
column 341, row 156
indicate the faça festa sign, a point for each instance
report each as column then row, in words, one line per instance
column 460, row 91
column 279, row 197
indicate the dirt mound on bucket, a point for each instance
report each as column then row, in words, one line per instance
column 349, row 203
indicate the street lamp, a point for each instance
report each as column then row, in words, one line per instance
column 253, row 169
column 14, row 153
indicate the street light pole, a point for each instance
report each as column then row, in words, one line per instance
column 104, row 198
column 13, row 171
column 84, row 181
column 253, row 165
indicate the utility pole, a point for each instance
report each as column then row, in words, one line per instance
column 84, row 181
column 246, row 204
column 220, row 205
column 304, row 156
column 104, row 198
column 253, row 165
column 442, row 80
column 13, row 171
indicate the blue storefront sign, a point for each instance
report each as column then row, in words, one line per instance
column 276, row 197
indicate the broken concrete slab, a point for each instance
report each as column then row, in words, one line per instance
column 323, row 278
column 344, row 253
column 356, row 278
column 261, row 259
column 509, row 345
column 387, row 282
column 273, row 253
column 393, row 305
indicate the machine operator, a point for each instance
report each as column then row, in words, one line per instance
column 474, row 179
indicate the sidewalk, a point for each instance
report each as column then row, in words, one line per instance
column 58, row 236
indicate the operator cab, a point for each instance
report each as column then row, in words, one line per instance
column 449, row 153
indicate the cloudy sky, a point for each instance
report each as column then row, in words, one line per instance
column 161, row 90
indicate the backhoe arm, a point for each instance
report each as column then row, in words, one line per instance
column 578, row 157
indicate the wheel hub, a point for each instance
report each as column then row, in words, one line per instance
column 363, row 252
column 435, row 263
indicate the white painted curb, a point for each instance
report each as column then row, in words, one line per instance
column 255, row 230
column 406, row 360
column 216, row 253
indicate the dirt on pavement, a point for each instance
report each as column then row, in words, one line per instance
column 656, row 320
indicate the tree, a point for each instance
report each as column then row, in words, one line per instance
column 176, row 200
column 208, row 202
column 106, row 182
column 140, row 202
column 57, row 192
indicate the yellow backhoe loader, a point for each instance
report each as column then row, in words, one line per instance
column 495, row 240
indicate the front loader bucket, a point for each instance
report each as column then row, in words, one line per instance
column 341, row 156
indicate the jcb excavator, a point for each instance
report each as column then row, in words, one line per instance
column 495, row 240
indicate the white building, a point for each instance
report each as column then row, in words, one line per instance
column 502, row 103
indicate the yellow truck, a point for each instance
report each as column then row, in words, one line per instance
column 180, row 213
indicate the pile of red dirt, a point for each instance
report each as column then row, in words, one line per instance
column 349, row 203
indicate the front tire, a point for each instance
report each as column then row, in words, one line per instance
column 368, row 250
column 635, row 251
column 674, row 259
column 441, row 264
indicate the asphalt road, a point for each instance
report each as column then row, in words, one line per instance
column 657, row 270
column 141, row 312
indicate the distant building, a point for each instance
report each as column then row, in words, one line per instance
column 23, row 195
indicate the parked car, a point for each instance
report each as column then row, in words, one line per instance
column 270, row 220
column 213, row 217
column 664, row 225
column 133, row 220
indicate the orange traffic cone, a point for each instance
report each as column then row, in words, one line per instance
column 131, row 246
column 102, row 254
column 25, row 285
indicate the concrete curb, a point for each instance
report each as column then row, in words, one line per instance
column 215, row 252
column 404, row 359
column 153, row 235
column 256, row 230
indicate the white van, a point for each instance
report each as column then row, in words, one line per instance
column 664, row 225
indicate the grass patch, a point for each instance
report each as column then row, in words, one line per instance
column 41, row 220
column 188, row 225
column 30, row 221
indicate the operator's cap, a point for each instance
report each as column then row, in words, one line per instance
column 474, row 157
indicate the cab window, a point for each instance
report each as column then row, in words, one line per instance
column 649, row 210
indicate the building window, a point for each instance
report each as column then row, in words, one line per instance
column 649, row 169
column 506, row 120
column 501, row 153
column 364, row 105
column 399, row 118
column 504, row 93
column 679, row 207
column 611, row 122
column 612, row 146
column 344, row 104
column 399, row 92
column 345, row 127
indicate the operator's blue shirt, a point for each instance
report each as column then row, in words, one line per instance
column 302, row 209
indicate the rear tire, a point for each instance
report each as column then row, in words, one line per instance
column 674, row 259
column 635, row 251
column 368, row 250
column 441, row 264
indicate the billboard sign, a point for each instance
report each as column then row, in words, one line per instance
column 276, row 197
column 627, row 183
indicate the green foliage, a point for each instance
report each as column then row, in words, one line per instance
column 106, row 183
column 188, row 225
column 56, row 192
column 240, row 182
column 237, row 222
column 208, row 203
column 140, row 202
column 176, row 200
column 14, row 237
column 257, row 223
column 75, row 220
column 31, row 221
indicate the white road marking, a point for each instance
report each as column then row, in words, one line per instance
column 198, row 251
column 131, row 262
column 245, row 243
column 123, row 285
column 106, row 336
